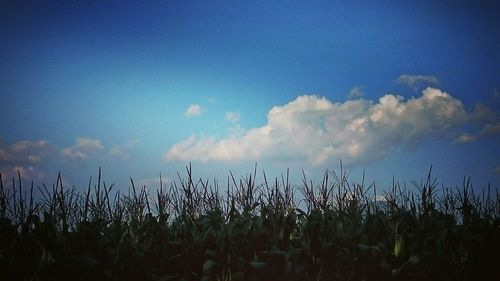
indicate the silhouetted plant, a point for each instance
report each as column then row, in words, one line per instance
column 195, row 230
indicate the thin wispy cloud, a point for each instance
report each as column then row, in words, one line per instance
column 193, row 110
column 415, row 81
column 496, row 95
column 316, row 130
column 465, row 138
column 83, row 148
column 356, row 92
column 486, row 119
column 122, row 151
column 155, row 181
column 118, row 152
column 490, row 129
column 232, row 117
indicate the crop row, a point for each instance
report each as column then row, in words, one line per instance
column 198, row 230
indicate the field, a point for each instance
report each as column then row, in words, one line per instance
column 196, row 229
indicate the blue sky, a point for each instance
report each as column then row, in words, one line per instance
column 389, row 87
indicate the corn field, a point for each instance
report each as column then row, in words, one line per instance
column 195, row 229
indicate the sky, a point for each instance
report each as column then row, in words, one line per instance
column 140, row 88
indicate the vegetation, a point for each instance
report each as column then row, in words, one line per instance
column 195, row 230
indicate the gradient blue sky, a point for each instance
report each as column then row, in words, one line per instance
column 143, row 87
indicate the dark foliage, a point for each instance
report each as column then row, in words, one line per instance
column 194, row 231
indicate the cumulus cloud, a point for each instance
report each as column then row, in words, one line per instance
column 413, row 81
column 83, row 148
column 24, row 156
column 232, row 117
column 316, row 130
column 356, row 92
column 25, row 151
column 193, row 110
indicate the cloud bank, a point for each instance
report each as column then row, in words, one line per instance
column 314, row 129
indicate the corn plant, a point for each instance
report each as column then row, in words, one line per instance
column 195, row 229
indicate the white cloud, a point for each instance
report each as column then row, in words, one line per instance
column 232, row 117
column 316, row 130
column 193, row 111
column 356, row 92
column 82, row 149
column 413, row 81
